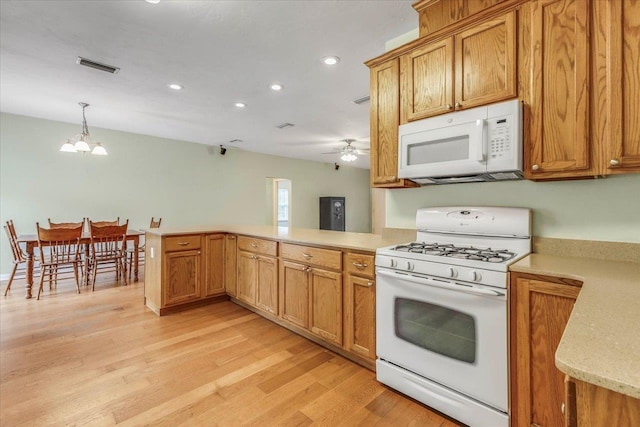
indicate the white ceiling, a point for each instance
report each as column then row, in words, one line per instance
column 221, row 51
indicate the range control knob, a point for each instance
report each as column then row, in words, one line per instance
column 393, row 263
column 453, row 272
column 474, row 276
column 409, row 266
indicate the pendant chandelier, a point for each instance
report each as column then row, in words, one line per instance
column 82, row 142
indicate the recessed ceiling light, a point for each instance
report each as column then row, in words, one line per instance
column 153, row 1
column 175, row 86
column 276, row 86
column 240, row 104
column 331, row 60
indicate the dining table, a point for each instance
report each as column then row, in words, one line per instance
column 31, row 242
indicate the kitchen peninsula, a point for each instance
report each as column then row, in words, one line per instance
column 317, row 283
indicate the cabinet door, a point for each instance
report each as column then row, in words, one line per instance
column 326, row 304
column 214, row 269
column 267, row 286
column 230, row 264
column 183, row 275
column 540, row 312
column 360, row 316
column 247, row 274
column 620, row 23
column 485, row 62
column 294, row 293
column 426, row 81
column 558, row 137
column 385, row 119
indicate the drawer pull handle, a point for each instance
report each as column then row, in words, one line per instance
column 360, row 265
column 307, row 255
column 183, row 243
column 254, row 245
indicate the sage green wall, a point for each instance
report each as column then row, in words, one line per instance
column 602, row 209
column 146, row 176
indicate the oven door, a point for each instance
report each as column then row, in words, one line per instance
column 457, row 149
column 452, row 334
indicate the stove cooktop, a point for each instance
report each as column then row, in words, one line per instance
column 459, row 252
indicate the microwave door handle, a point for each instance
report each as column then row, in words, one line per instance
column 482, row 149
column 443, row 285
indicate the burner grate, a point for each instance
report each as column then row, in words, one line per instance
column 460, row 252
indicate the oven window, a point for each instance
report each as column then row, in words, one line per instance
column 439, row 329
column 441, row 150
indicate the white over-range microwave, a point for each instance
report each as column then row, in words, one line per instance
column 479, row 144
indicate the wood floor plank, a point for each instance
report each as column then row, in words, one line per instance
column 101, row 358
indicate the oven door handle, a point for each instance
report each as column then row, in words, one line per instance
column 443, row 285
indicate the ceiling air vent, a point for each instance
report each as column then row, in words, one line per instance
column 98, row 66
column 361, row 100
column 235, row 141
column 285, row 125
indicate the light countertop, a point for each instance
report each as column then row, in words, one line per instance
column 601, row 343
column 336, row 239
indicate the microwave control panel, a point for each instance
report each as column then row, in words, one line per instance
column 500, row 138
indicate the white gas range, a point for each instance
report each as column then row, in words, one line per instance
column 441, row 310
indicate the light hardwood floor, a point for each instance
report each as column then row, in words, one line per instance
column 102, row 358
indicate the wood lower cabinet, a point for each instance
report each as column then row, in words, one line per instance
column 214, row 283
column 311, row 292
column 294, row 293
column 360, row 306
column 326, row 304
column 539, row 311
column 183, row 276
column 230, row 263
column 594, row 406
column 257, row 278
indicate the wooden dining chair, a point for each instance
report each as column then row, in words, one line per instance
column 66, row 224
column 108, row 247
column 58, row 247
column 19, row 258
column 105, row 223
column 130, row 251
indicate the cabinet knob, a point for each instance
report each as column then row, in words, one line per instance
column 458, row 105
column 369, row 284
column 449, row 107
column 535, row 167
column 231, row 237
column 614, row 162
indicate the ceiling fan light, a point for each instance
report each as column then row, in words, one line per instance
column 68, row 147
column 99, row 150
column 348, row 157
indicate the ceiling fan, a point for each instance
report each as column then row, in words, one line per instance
column 349, row 153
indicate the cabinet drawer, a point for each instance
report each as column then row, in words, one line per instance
column 321, row 257
column 181, row 243
column 360, row 264
column 261, row 246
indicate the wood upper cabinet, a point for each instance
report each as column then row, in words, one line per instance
column 230, row 263
column 540, row 308
column 214, row 268
column 437, row 14
column 618, row 47
column 485, row 62
column 474, row 67
column 326, row 304
column 558, row 140
column 183, row 275
column 426, row 81
column 385, row 119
